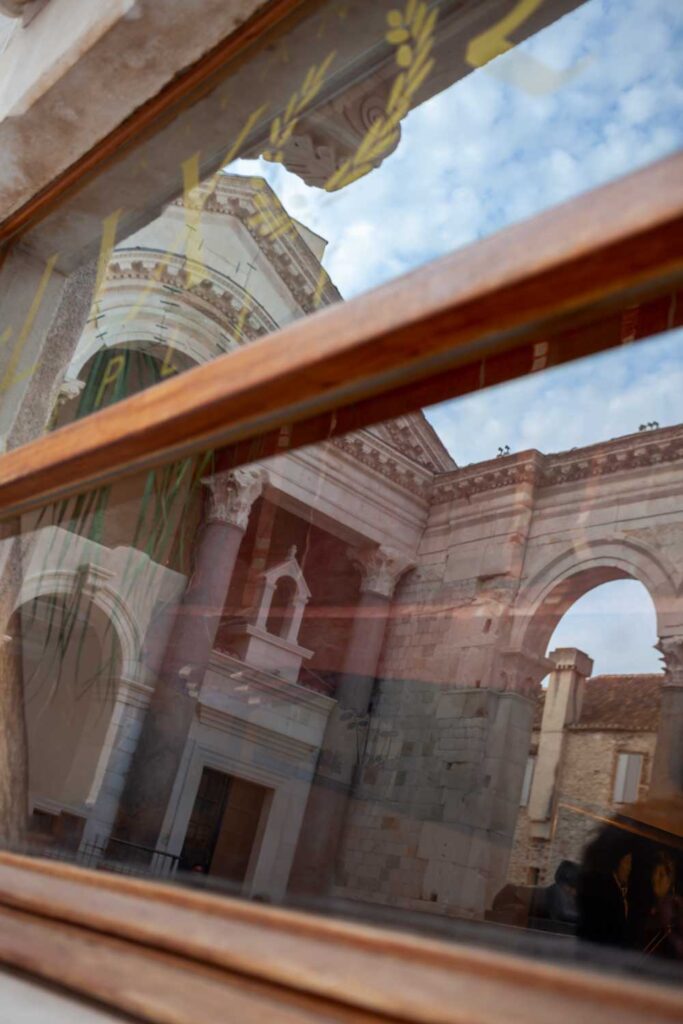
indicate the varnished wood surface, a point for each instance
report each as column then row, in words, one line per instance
column 138, row 946
column 470, row 319
column 150, row 116
column 149, row 985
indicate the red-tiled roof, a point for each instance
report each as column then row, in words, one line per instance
column 617, row 702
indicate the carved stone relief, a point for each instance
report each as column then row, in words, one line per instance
column 232, row 494
column 381, row 568
column 671, row 649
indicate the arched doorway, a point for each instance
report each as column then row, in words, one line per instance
column 615, row 623
column 110, row 375
column 597, row 715
column 71, row 663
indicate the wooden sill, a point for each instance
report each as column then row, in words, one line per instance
column 171, row 954
column 505, row 306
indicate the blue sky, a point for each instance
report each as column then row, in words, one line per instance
column 491, row 151
column 486, row 153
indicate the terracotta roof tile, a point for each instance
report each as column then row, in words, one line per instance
column 617, row 702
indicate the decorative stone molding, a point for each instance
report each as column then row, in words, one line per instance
column 417, row 440
column 623, row 454
column 232, row 494
column 328, row 136
column 362, row 449
column 286, row 251
column 513, row 472
column 381, row 568
column 91, row 577
column 216, row 296
column 522, row 672
column 671, row 650
column 68, row 390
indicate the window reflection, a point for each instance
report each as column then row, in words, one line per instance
column 332, row 677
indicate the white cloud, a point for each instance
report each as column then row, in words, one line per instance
column 484, row 154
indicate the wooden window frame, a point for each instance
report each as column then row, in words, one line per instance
column 525, row 298
column 170, row 954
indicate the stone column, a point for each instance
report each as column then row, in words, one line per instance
column 172, row 706
column 562, row 707
column 347, row 727
column 667, row 768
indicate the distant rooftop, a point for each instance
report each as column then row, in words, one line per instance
column 615, row 702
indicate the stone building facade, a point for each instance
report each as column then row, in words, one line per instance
column 360, row 637
column 612, row 718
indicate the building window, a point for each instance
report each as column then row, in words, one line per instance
column 627, row 778
column 528, row 779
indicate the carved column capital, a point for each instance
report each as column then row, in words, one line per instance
column 380, row 568
column 68, row 389
column 522, row 672
column 232, row 494
column 671, row 650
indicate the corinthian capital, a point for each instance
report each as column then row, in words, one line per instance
column 671, row 650
column 232, row 494
column 381, row 568
column 522, row 672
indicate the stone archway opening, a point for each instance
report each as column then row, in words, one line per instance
column 110, row 375
column 596, row 719
column 615, row 623
column 71, row 663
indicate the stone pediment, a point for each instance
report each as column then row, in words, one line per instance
column 417, row 440
column 279, row 236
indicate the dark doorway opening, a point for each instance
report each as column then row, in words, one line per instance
column 223, row 826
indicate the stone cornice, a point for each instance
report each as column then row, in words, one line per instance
column 217, row 296
column 417, row 441
column 622, row 454
column 376, row 455
column 271, row 689
column 277, row 743
column 287, row 252
column 487, row 476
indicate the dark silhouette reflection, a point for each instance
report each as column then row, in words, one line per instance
column 549, row 908
column 628, row 892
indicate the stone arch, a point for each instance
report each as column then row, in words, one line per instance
column 70, row 693
column 93, row 584
column 205, row 320
column 554, row 588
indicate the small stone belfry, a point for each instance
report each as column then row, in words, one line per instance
column 271, row 641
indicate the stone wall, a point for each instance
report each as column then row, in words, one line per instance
column 583, row 797
column 509, row 545
column 437, row 798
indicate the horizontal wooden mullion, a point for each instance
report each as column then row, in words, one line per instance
column 457, row 321
column 345, row 967
column 149, row 985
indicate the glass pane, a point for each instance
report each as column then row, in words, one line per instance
column 392, row 676
column 353, row 145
